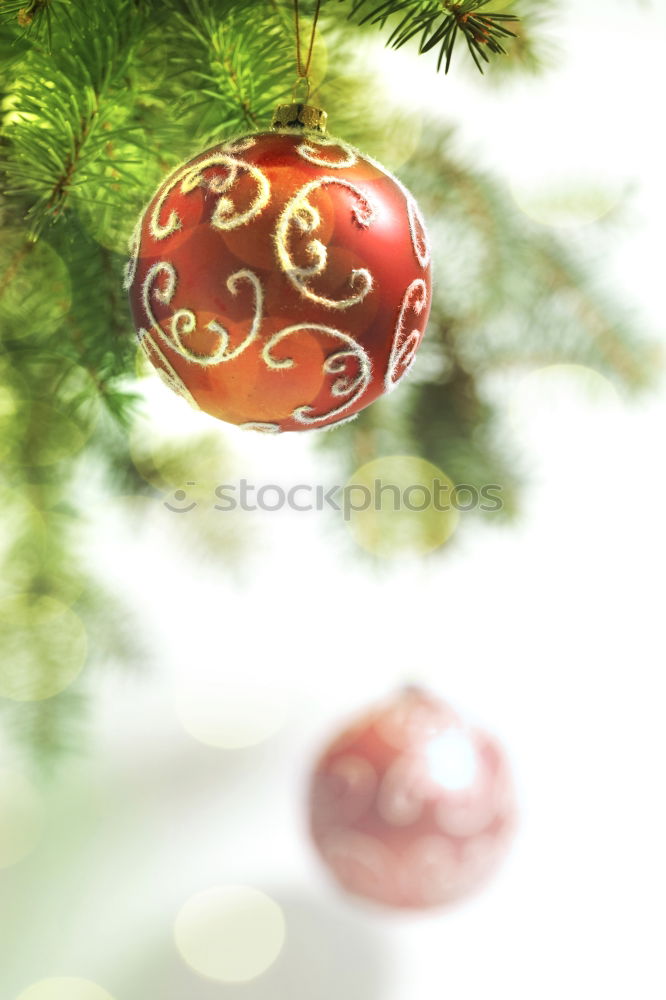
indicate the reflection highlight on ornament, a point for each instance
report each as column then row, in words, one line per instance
column 567, row 202
column 452, row 760
column 43, row 647
column 65, row 988
column 21, row 818
column 400, row 506
column 230, row 934
column 230, row 715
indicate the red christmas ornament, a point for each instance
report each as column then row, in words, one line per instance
column 280, row 281
column 410, row 807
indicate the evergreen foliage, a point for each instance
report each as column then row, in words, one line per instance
column 438, row 23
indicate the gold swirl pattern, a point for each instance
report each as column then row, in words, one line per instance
column 163, row 295
column 239, row 145
column 164, row 368
column 310, row 150
column 418, row 232
column 260, row 425
column 403, row 348
column 417, row 228
column 191, row 176
column 337, row 423
column 300, row 213
column 184, row 321
column 335, row 364
column 362, row 863
column 134, row 247
column 432, row 870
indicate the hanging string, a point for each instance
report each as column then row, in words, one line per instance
column 303, row 69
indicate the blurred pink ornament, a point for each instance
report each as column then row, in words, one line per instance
column 409, row 806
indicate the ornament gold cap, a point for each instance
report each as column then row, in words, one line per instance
column 305, row 116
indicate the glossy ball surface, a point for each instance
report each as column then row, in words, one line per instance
column 410, row 807
column 280, row 281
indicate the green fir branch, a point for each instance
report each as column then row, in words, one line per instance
column 65, row 107
column 232, row 77
column 440, row 23
column 33, row 17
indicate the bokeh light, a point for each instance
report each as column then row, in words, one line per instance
column 397, row 137
column 8, row 408
column 65, row 988
column 400, row 505
column 171, row 457
column 21, row 817
column 230, row 933
column 52, row 406
column 553, row 408
column 35, row 550
column 32, row 308
column 319, row 65
column 64, row 428
column 21, row 519
column 43, row 647
column 229, row 714
column 60, row 435
column 566, row 202
column 554, row 388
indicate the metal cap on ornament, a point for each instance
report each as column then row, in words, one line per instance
column 305, row 116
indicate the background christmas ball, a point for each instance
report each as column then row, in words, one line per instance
column 410, row 807
column 280, row 281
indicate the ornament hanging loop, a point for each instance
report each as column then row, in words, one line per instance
column 299, row 114
column 288, row 117
column 303, row 68
column 300, row 92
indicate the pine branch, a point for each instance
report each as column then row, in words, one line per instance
column 440, row 23
column 33, row 16
column 534, row 48
column 71, row 94
column 233, row 76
